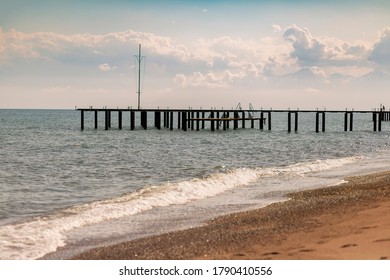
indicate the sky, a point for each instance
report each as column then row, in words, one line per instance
column 201, row 54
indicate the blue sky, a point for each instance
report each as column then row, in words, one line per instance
column 279, row 54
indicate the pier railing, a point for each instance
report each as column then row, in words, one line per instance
column 195, row 119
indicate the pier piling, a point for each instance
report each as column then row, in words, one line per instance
column 323, row 121
column 269, row 120
column 261, row 123
column 184, row 120
column 144, row 119
column 96, row 119
column 197, row 121
column 350, row 121
column 171, row 120
column 132, row 120
column 178, row 120
column 82, row 120
column 217, row 122
column 119, row 119
column 106, row 120
column 157, row 120
column 235, row 122
column 212, row 121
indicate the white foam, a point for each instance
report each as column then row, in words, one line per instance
column 33, row 239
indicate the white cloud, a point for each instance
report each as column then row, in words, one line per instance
column 164, row 90
column 276, row 28
column 210, row 80
column 57, row 89
column 232, row 51
column 324, row 51
column 308, row 50
column 2, row 41
column 236, row 53
column 318, row 72
column 381, row 50
column 224, row 61
column 53, row 46
column 45, row 45
column 326, row 58
column 104, row 67
column 311, row 90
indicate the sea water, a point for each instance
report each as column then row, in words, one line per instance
column 63, row 190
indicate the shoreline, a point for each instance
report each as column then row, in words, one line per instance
column 347, row 221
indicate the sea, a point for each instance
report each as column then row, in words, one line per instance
column 64, row 190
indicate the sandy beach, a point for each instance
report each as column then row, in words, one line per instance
column 348, row 221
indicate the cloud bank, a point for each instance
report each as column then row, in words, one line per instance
column 207, row 62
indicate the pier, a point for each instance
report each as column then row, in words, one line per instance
column 222, row 119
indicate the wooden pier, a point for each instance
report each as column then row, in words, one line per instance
column 195, row 119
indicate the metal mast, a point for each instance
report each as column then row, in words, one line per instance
column 139, row 58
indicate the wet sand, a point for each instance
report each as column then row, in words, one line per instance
column 349, row 221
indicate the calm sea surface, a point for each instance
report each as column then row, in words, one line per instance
column 62, row 188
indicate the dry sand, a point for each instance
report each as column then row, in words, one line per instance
column 349, row 221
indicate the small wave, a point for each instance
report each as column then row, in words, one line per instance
column 313, row 166
column 36, row 238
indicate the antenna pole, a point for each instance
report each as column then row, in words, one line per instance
column 139, row 77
